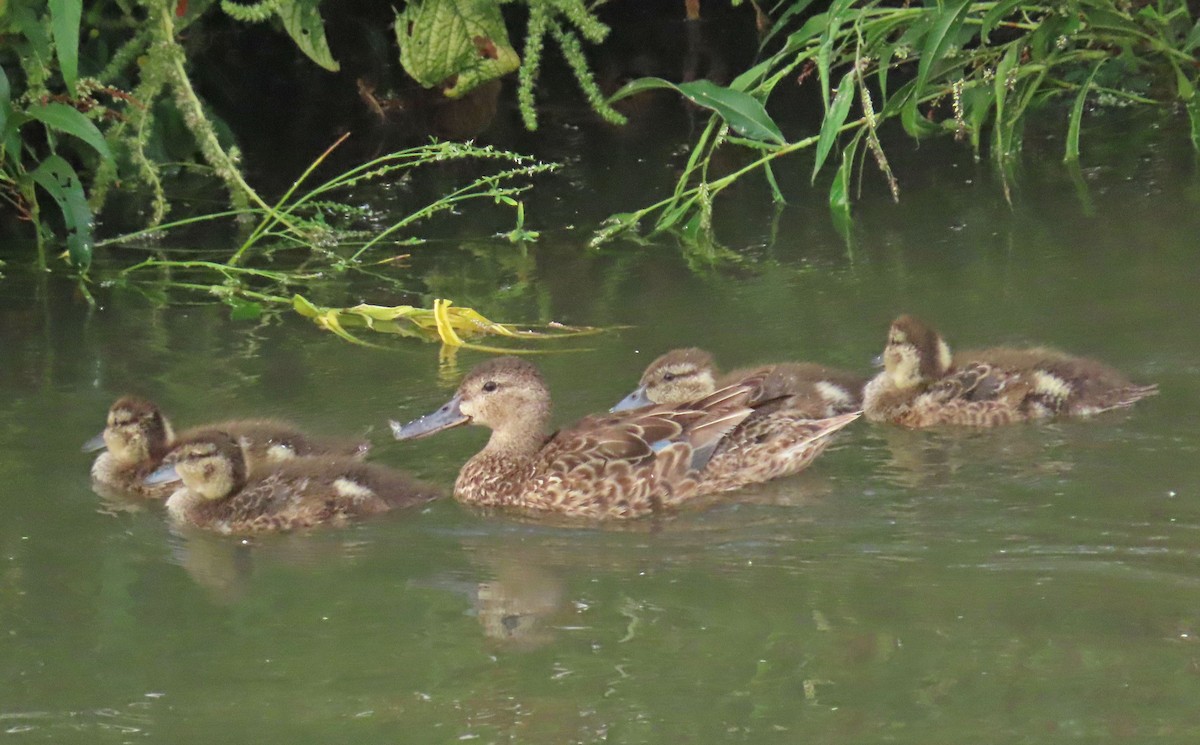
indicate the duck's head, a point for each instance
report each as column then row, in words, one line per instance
column 678, row 376
column 136, row 431
column 505, row 394
column 914, row 353
column 211, row 465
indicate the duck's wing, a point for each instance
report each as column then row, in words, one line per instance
column 817, row 390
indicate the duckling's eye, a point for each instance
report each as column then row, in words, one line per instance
column 490, row 386
column 668, row 377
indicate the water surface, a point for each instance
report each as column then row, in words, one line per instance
column 1033, row 584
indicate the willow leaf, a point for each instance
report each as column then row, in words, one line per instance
column 946, row 23
column 1072, row 153
column 744, row 113
column 999, row 12
column 838, row 110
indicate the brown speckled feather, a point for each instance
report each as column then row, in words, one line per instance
column 138, row 436
column 302, row 492
column 991, row 387
column 628, row 464
column 815, row 391
column 608, row 467
column 812, row 390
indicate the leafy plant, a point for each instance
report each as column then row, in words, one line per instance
column 34, row 129
column 326, row 232
column 974, row 70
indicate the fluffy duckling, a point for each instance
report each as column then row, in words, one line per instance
column 137, row 436
column 923, row 384
column 220, row 492
column 812, row 390
column 616, row 466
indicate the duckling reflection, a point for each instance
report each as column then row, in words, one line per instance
column 923, row 384
column 137, row 436
column 220, row 493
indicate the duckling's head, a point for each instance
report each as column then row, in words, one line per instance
column 677, row 376
column 505, row 394
column 914, row 353
column 211, row 465
column 136, row 431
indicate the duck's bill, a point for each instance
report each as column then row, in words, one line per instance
column 636, row 400
column 162, row 475
column 449, row 415
column 94, row 444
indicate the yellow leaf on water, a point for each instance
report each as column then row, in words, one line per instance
column 452, row 326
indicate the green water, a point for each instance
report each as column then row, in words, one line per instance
column 1032, row 584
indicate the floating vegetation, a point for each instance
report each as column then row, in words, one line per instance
column 444, row 323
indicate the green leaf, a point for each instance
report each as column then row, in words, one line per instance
column 839, row 191
column 1183, row 86
column 795, row 8
column 1193, row 39
column 64, row 23
column 243, row 310
column 30, row 26
column 454, row 44
column 64, row 118
column 834, row 119
column 744, row 113
column 302, row 21
column 60, row 181
column 999, row 12
column 946, row 23
column 1003, row 127
column 1072, row 153
column 1193, row 110
column 5, row 97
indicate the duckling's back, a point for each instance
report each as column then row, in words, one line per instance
column 267, row 441
column 306, row 492
column 1058, row 383
column 814, row 390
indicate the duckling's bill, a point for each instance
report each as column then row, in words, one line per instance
column 164, row 474
column 94, row 444
column 449, row 415
column 635, row 400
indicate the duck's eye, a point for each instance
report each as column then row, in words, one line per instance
column 490, row 386
column 668, row 377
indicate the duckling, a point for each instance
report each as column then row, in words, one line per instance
column 220, row 492
column 923, row 384
column 782, row 395
column 137, row 436
column 621, row 465
column 812, row 390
